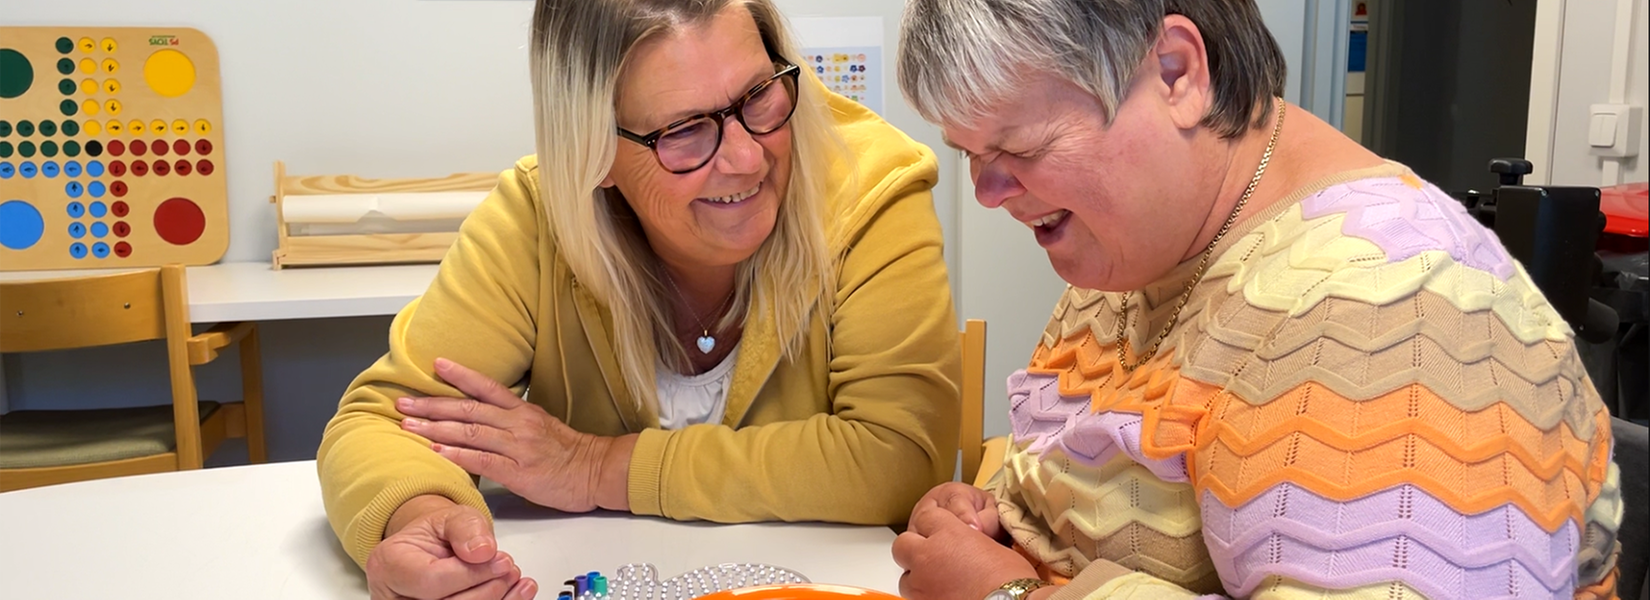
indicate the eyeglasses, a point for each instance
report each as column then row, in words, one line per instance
column 689, row 144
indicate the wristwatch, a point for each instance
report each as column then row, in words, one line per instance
column 1017, row 589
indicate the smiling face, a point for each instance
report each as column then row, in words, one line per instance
column 721, row 213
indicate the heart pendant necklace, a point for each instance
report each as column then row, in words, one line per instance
column 706, row 341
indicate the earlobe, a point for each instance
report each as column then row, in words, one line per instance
column 1182, row 62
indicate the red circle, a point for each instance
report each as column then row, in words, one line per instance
column 122, row 229
column 123, row 249
column 203, row 166
column 117, row 168
column 138, row 148
column 182, row 167
column 140, row 168
column 119, row 208
column 181, row 147
column 118, row 188
column 116, row 147
column 159, row 148
column 179, row 221
column 161, row 168
column 203, row 147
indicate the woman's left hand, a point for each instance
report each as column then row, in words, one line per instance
column 496, row 434
column 944, row 557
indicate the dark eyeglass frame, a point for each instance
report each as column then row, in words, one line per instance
column 735, row 110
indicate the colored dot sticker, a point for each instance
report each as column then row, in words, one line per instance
column 88, row 86
column 71, row 168
column 110, row 66
column 71, row 148
column 179, row 221
column 87, row 45
column 157, row 127
column 119, row 209
column 68, row 108
column 77, row 250
column 203, row 126
column 160, row 148
column 123, row 249
column 117, row 168
column 21, row 225
column 96, row 189
column 7, row 170
column 25, row 128
column 182, row 167
column 77, row 230
column 112, row 105
column 118, row 188
column 116, row 147
column 180, row 147
column 50, row 169
column 76, row 210
column 204, row 167
column 100, row 230
column 65, row 66
column 26, row 149
column 203, row 147
column 27, row 170
column 65, row 45
column 94, row 128
column 100, row 250
column 94, row 168
column 48, row 148
column 71, row 128
column 121, row 229
column 6, row 149
column 74, row 189
column 136, row 127
column 112, row 86
column 48, row 128
column 16, row 74
column 140, row 168
column 161, row 168
column 67, row 87
column 90, row 107
column 115, row 127
column 94, row 149
column 88, row 66
column 5, row 128
column 138, row 147
column 169, row 72
column 109, row 45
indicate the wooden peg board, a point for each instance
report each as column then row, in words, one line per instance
column 111, row 148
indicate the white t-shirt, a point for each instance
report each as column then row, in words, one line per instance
column 693, row 399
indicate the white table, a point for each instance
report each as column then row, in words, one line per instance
column 259, row 532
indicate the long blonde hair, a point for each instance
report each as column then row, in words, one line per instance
column 579, row 50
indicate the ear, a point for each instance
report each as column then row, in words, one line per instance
column 607, row 181
column 1182, row 62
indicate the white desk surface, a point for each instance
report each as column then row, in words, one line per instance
column 259, row 533
column 254, row 291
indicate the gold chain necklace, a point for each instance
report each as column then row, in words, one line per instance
column 1202, row 265
column 706, row 341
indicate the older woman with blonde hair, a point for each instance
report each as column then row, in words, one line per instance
column 719, row 286
column 1285, row 368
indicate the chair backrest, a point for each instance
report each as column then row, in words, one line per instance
column 1632, row 454
column 972, row 439
column 99, row 310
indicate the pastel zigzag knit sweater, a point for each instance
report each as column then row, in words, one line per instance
column 1365, row 398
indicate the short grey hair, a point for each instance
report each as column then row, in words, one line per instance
column 957, row 58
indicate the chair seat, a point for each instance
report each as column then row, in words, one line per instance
column 52, row 438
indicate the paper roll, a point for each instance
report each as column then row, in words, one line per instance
column 410, row 207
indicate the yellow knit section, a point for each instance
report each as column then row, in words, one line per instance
column 1280, row 588
column 1139, row 586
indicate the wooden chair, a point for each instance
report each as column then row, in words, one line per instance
column 48, row 447
column 977, row 451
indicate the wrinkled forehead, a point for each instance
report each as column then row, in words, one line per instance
column 691, row 69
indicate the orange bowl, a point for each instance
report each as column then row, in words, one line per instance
column 799, row 591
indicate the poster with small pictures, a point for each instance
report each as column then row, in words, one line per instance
column 855, row 72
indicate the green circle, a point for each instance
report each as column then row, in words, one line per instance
column 48, row 128
column 48, row 148
column 66, row 86
column 25, row 128
column 71, row 128
column 16, row 74
column 26, row 149
column 65, row 66
column 5, row 149
column 5, row 128
column 68, row 107
column 71, row 148
column 65, row 45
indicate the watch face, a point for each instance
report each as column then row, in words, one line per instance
column 1001, row 595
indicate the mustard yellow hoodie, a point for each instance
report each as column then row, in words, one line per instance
column 854, row 430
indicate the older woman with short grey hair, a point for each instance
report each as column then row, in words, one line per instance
column 1285, row 368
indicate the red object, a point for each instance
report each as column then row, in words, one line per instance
column 118, row 188
column 122, row 229
column 1626, row 209
column 119, row 208
column 140, row 168
column 159, row 148
column 183, row 167
column 123, row 249
column 161, row 168
column 117, row 168
column 179, row 221
column 203, row 167
column 117, row 148
column 203, row 147
column 181, row 147
column 138, row 148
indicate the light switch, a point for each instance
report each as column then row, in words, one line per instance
column 1602, row 132
column 1613, row 129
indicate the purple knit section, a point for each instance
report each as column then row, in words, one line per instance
column 1401, row 534
column 1039, row 413
column 1405, row 221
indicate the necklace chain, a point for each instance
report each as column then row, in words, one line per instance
column 1202, row 266
column 719, row 308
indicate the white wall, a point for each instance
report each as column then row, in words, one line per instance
column 1573, row 67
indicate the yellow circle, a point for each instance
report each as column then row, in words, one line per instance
column 115, row 127
column 203, row 127
column 157, row 127
column 89, row 107
column 135, row 128
column 88, row 87
column 88, row 66
column 169, row 72
column 92, row 128
column 110, row 66
column 112, row 86
column 180, row 127
column 87, row 45
column 112, row 105
column 109, row 45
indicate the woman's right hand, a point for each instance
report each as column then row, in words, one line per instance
column 973, row 506
column 436, row 549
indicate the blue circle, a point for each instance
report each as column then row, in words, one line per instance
column 94, row 168
column 100, row 230
column 20, row 225
column 71, row 168
column 77, row 250
column 77, row 230
column 27, row 169
column 96, row 189
column 7, row 170
column 49, row 169
column 98, row 209
column 100, row 250
column 76, row 210
column 74, row 189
